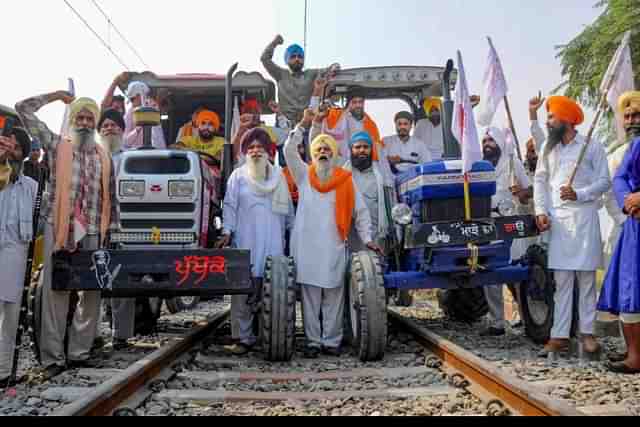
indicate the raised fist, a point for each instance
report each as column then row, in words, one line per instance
column 279, row 40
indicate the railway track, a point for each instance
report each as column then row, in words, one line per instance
column 423, row 374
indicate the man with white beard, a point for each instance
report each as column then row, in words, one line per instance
column 256, row 206
column 111, row 127
column 77, row 216
column 329, row 206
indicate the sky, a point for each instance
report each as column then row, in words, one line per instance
column 45, row 43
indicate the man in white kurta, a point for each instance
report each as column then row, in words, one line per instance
column 256, row 206
column 319, row 238
column 402, row 150
column 570, row 214
column 429, row 129
column 512, row 185
column 17, row 196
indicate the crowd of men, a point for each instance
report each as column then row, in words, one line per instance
column 316, row 186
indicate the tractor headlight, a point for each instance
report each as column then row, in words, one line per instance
column 507, row 207
column 182, row 188
column 132, row 188
column 402, row 214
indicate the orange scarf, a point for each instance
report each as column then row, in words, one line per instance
column 293, row 188
column 62, row 208
column 342, row 184
column 369, row 125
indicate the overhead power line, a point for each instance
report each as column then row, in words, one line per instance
column 306, row 23
column 124, row 39
column 105, row 44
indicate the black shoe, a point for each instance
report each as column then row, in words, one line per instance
column 52, row 371
column 333, row 352
column 517, row 325
column 621, row 368
column 617, row 357
column 4, row 383
column 238, row 349
column 493, row 332
column 311, row 353
column 98, row 344
column 120, row 344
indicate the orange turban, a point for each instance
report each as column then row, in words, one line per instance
column 565, row 109
column 208, row 116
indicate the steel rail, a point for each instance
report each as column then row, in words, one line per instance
column 514, row 393
column 109, row 395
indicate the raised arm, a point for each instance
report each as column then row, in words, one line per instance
column 121, row 79
column 267, row 59
column 536, row 131
column 601, row 182
column 27, row 110
column 295, row 163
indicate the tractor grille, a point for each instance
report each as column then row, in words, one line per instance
column 453, row 209
column 162, row 224
column 159, row 208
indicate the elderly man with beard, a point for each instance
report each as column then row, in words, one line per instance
column 570, row 214
column 329, row 206
column 111, row 127
column 403, row 150
column 17, row 196
column 621, row 291
column 77, row 216
column 512, row 183
column 295, row 85
column 256, row 206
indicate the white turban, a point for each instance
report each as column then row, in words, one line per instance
column 137, row 89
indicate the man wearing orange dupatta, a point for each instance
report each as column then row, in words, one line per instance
column 329, row 206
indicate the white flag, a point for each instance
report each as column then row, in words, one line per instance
column 494, row 87
column 464, row 124
column 620, row 71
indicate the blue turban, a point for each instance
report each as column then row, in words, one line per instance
column 294, row 49
column 361, row 136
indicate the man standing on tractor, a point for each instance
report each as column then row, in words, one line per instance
column 403, row 150
column 429, row 127
column 78, row 216
column 256, row 206
column 329, row 205
column 17, row 196
column 111, row 127
column 250, row 119
column 112, row 101
column 621, row 291
column 512, row 183
column 295, row 85
column 570, row 214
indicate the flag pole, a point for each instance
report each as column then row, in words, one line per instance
column 467, row 198
column 513, row 127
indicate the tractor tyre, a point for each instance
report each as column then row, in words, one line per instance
column 464, row 305
column 180, row 304
column 148, row 311
column 278, row 316
column 537, row 297
column 368, row 307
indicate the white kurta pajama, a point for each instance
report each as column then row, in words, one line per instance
column 575, row 241
column 432, row 136
column 320, row 253
column 414, row 149
column 16, row 212
column 508, row 171
column 250, row 218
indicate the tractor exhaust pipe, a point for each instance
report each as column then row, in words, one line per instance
column 227, row 155
column 451, row 145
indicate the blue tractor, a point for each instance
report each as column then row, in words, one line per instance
column 433, row 247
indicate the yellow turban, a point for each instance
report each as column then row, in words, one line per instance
column 629, row 99
column 83, row 104
column 324, row 139
column 565, row 109
column 430, row 103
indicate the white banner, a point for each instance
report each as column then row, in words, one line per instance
column 620, row 71
column 464, row 124
column 494, row 88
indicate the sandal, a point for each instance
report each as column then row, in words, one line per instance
column 621, row 368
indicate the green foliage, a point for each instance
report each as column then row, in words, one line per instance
column 585, row 59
